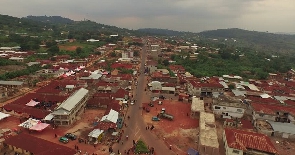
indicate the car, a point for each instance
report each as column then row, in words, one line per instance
column 151, row 104
column 71, row 136
column 160, row 102
column 155, row 118
column 64, row 140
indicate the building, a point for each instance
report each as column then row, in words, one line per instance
column 29, row 145
column 197, row 106
column 208, row 140
column 240, row 142
column 67, row 112
column 228, row 109
column 152, row 66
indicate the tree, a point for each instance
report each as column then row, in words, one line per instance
column 113, row 54
column 79, row 50
column 53, row 50
column 165, row 62
column 136, row 53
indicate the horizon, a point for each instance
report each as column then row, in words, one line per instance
column 179, row 15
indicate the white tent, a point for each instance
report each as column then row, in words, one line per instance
column 95, row 133
column 3, row 115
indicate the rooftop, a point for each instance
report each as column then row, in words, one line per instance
column 75, row 98
column 38, row 146
column 244, row 140
column 13, row 83
column 197, row 104
column 208, row 133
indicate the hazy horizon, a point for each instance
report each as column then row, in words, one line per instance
column 179, row 15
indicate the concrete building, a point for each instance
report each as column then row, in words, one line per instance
column 208, row 140
column 228, row 109
column 67, row 112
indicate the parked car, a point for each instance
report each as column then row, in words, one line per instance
column 64, row 140
column 132, row 103
column 151, row 104
column 155, row 118
column 71, row 136
column 160, row 102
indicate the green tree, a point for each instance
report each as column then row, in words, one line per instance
column 113, row 54
column 53, row 50
column 136, row 53
column 165, row 62
column 79, row 50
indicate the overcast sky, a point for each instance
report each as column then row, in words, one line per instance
column 183, row 15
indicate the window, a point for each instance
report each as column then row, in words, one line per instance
column 216, row 107
column 236, row 151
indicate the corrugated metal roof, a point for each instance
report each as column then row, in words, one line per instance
column 95, row 133
column 17, row 83
column 283, row 127
column 74, row 99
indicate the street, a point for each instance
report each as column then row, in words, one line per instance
column 136, row 127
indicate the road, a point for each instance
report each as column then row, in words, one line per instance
column 136, row 127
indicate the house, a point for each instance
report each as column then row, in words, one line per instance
column 152, row 66
column 95, row 135
column 228, row 108
column 112, row 116
column 18, row 59
column 277, row 129
column 244, row 142
column 121, row 95
column 155, row 86
column 66, row 113
column 28, row 145
column 208, row 140
column 196, row 88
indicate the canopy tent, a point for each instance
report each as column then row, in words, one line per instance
column 95, row 133
column 39, row 126
column 29, row 123
column 3, row 115
column 32, row 103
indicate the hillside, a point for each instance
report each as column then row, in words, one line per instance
column 50, row 19
column 259, row 40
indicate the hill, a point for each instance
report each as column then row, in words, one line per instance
column 261, row 41
column 50, row 19
column 165, row 32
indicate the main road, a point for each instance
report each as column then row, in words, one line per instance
column 136, row 127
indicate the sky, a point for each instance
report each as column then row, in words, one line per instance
column 180, row 15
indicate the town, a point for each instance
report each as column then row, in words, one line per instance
column 132, row 97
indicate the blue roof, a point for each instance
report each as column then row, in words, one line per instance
column 192, row 151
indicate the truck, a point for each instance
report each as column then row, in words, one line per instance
column 163, row 114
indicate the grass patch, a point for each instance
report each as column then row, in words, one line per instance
column 141, row 147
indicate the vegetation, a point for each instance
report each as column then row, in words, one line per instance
column 141, row 147
column 244, row 62
column 14, row 74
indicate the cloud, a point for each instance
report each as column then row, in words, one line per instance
column 187, row 15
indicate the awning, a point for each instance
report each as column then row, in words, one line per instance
column 39, row 127
column 3, row 115
column 49, row 117
column 95, row 133
column 32, row 103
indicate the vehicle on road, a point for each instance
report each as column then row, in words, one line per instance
column 151, row 104
column 155, row 118
column 71, row 136
column 64, row 140
column 132, row 102
column 160, row 102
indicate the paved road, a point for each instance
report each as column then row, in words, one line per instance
column 136, row 128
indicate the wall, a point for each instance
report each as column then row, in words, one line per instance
column 231, row 111
column 228, row 150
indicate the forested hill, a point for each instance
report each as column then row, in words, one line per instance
column 259, row 40
column 51, row 19
column 165, row 32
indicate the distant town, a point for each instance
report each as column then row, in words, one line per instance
column 130, row 95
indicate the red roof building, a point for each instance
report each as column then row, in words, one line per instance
column 240, row 141
column 27, row 144
column 121, row 65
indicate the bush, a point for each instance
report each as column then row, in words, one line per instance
column 141, row 147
